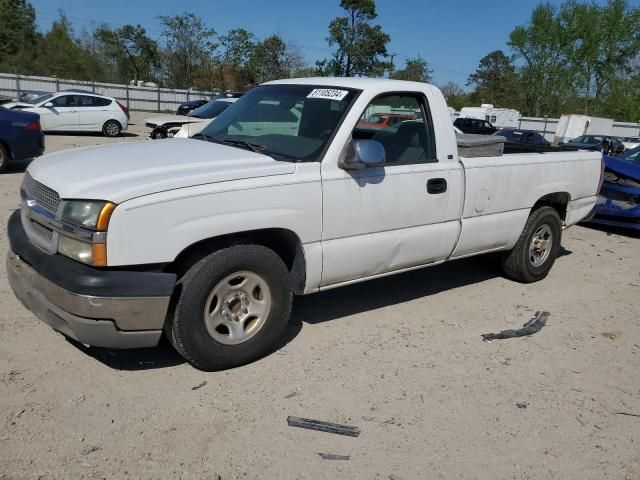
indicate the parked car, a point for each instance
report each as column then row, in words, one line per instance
column 619, row 199
column 186, row 107
column 595, row 142
column 4, row 99
column 384, row 120
column 630, row 142
column 27, row 96
column 209, row 238
column 206, row 114
column 475, row 126
column 20, row 136
column 517, row 136
column 71, row 111
column 168, row 126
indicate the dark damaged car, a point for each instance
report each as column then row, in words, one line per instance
column 619, row 200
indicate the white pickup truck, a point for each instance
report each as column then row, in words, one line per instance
column 290, row 191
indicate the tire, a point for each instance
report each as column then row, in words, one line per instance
column 530, row 262
column 215, row 324
column 4, row 158
column 112, row 128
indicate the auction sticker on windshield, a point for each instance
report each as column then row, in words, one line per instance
column 328, row 94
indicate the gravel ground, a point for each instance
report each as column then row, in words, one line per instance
column 400, row 357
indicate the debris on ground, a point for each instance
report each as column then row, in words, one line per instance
column 391, row 421
column 521, row 404
column 90, row 449
column 532, row 326
column 200, row 385
column 331, row 456
column 77, row 399
column 323, row 426
column 292, row 394
column 627, row 414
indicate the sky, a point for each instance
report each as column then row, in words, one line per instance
column 451, row 35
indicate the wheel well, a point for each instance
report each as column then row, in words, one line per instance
column 6, row 149
column 559, row 201
column 284, row 243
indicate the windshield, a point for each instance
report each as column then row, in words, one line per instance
column 41, row 99
column 288, row 122
column 210, row 110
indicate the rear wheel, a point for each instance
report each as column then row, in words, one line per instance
column 112, row 128
column 537, row 248
column 234, row 306
column 4, row 158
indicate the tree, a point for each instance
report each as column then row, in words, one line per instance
column 17, row 35
column 496, row 81
column 135, row 54
column 603, row 42
column 541, row 46
column 274, row 58
column 60, row 54
column 188, row 52
column 455, row 96
column 361, row 46
column 416, row 70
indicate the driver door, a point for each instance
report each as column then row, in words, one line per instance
column 63, row 115
column 384, row 219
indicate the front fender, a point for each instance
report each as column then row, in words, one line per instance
column 156, row 228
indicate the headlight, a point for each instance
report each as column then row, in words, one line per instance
column 94, row 254
column 88, row 214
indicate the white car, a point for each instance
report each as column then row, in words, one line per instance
column 185, row 126
column 630, row 142
column 70, row 111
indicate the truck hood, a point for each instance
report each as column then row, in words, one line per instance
column 173, row 119
column 123, row 171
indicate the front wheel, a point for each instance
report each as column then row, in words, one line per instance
column 537, row 248
column 234, row 306
column 111, row 128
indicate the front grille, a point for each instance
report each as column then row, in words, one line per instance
column 43, row 195
column 41, row 231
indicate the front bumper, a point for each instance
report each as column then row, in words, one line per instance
column 113, row 309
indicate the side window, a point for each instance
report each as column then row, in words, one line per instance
column 410, row 140
column 61, row 101
column 493, row 119
column 85, row 101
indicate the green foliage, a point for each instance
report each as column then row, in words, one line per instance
column 17, row 35
column 455, row 96
column 361, row 46
column 496, row 81
column 128, row 51
column 416, row 70
column 188, row 53
column 578, row 58
column 60, row 54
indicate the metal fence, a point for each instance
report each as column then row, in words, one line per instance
column 134, row 97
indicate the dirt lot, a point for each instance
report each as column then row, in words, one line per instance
column 401, row 358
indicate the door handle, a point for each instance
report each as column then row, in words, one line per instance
column 436, row 186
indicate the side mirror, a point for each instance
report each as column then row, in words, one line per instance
column 363, row 154
column 48, row 105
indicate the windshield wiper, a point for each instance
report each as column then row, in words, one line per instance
column 205, row 136
column 254, row 147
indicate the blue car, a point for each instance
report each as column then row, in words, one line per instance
column 20, row 136
column 619, row 199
